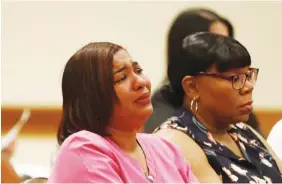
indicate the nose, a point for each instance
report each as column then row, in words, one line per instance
column 248, row 87
column 139, row 82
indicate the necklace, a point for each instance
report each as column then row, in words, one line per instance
column 150, row 178
column 146, row 173
column 201, row 127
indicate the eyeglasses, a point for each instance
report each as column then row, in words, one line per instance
column 239, row 80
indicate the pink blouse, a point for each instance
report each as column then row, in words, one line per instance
column 85, row 157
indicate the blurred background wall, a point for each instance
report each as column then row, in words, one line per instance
column 39, row 37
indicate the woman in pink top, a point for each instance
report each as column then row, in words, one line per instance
column 106, row 99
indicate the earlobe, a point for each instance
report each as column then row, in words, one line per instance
column 189, row 87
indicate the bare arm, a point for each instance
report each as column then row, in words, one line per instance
column 277, row 160
column 193, row 154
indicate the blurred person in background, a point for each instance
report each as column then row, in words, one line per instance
column 18, row 172
column 36, row 180
column 8, row 173
column 211, row 85
column 274, row 139
column 106, row 99
column 187, row 22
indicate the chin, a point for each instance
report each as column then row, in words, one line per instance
column 145, row 113
column 243, row 118
column 148, row 111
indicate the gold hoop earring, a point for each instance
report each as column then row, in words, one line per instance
column 194, row 101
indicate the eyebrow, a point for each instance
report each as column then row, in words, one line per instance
column 134, row 63
column 120, row 69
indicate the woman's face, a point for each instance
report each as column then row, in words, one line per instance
column 219, row 28
column 133, row 90
column 219, row 99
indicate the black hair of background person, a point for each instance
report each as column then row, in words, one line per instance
column 187, row 22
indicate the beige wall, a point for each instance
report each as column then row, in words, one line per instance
column 38, row 39
column 35, row 155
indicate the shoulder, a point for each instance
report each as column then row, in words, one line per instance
column 192, row 153
column 85, row 143
column 84, row 149
column 160, row 145
column 86, row 155
column 153, row 140
column 85, row 138
column 184, row 142
column 176, row 136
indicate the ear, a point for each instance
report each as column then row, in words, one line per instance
column 189, row 86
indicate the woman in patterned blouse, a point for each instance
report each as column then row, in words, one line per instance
column 212, row 84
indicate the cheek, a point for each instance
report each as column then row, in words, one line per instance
column 218, row 94
column 124, row 94
column 148, row 83
column 120, row 93
column 227, row 95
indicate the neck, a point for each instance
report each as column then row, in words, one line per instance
column 125, row 140
column 213, row 125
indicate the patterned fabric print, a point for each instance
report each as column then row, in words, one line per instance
column 257, row 165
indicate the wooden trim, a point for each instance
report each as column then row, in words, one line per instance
column 45, row 120
column 267, row 119
column 42, row 122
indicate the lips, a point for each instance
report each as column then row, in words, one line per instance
column 247, row 107
column 245, row 104
column 144, row 99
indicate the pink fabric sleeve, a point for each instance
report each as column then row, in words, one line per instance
column 82, row 160
column 185, row 169
column 191, row 177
